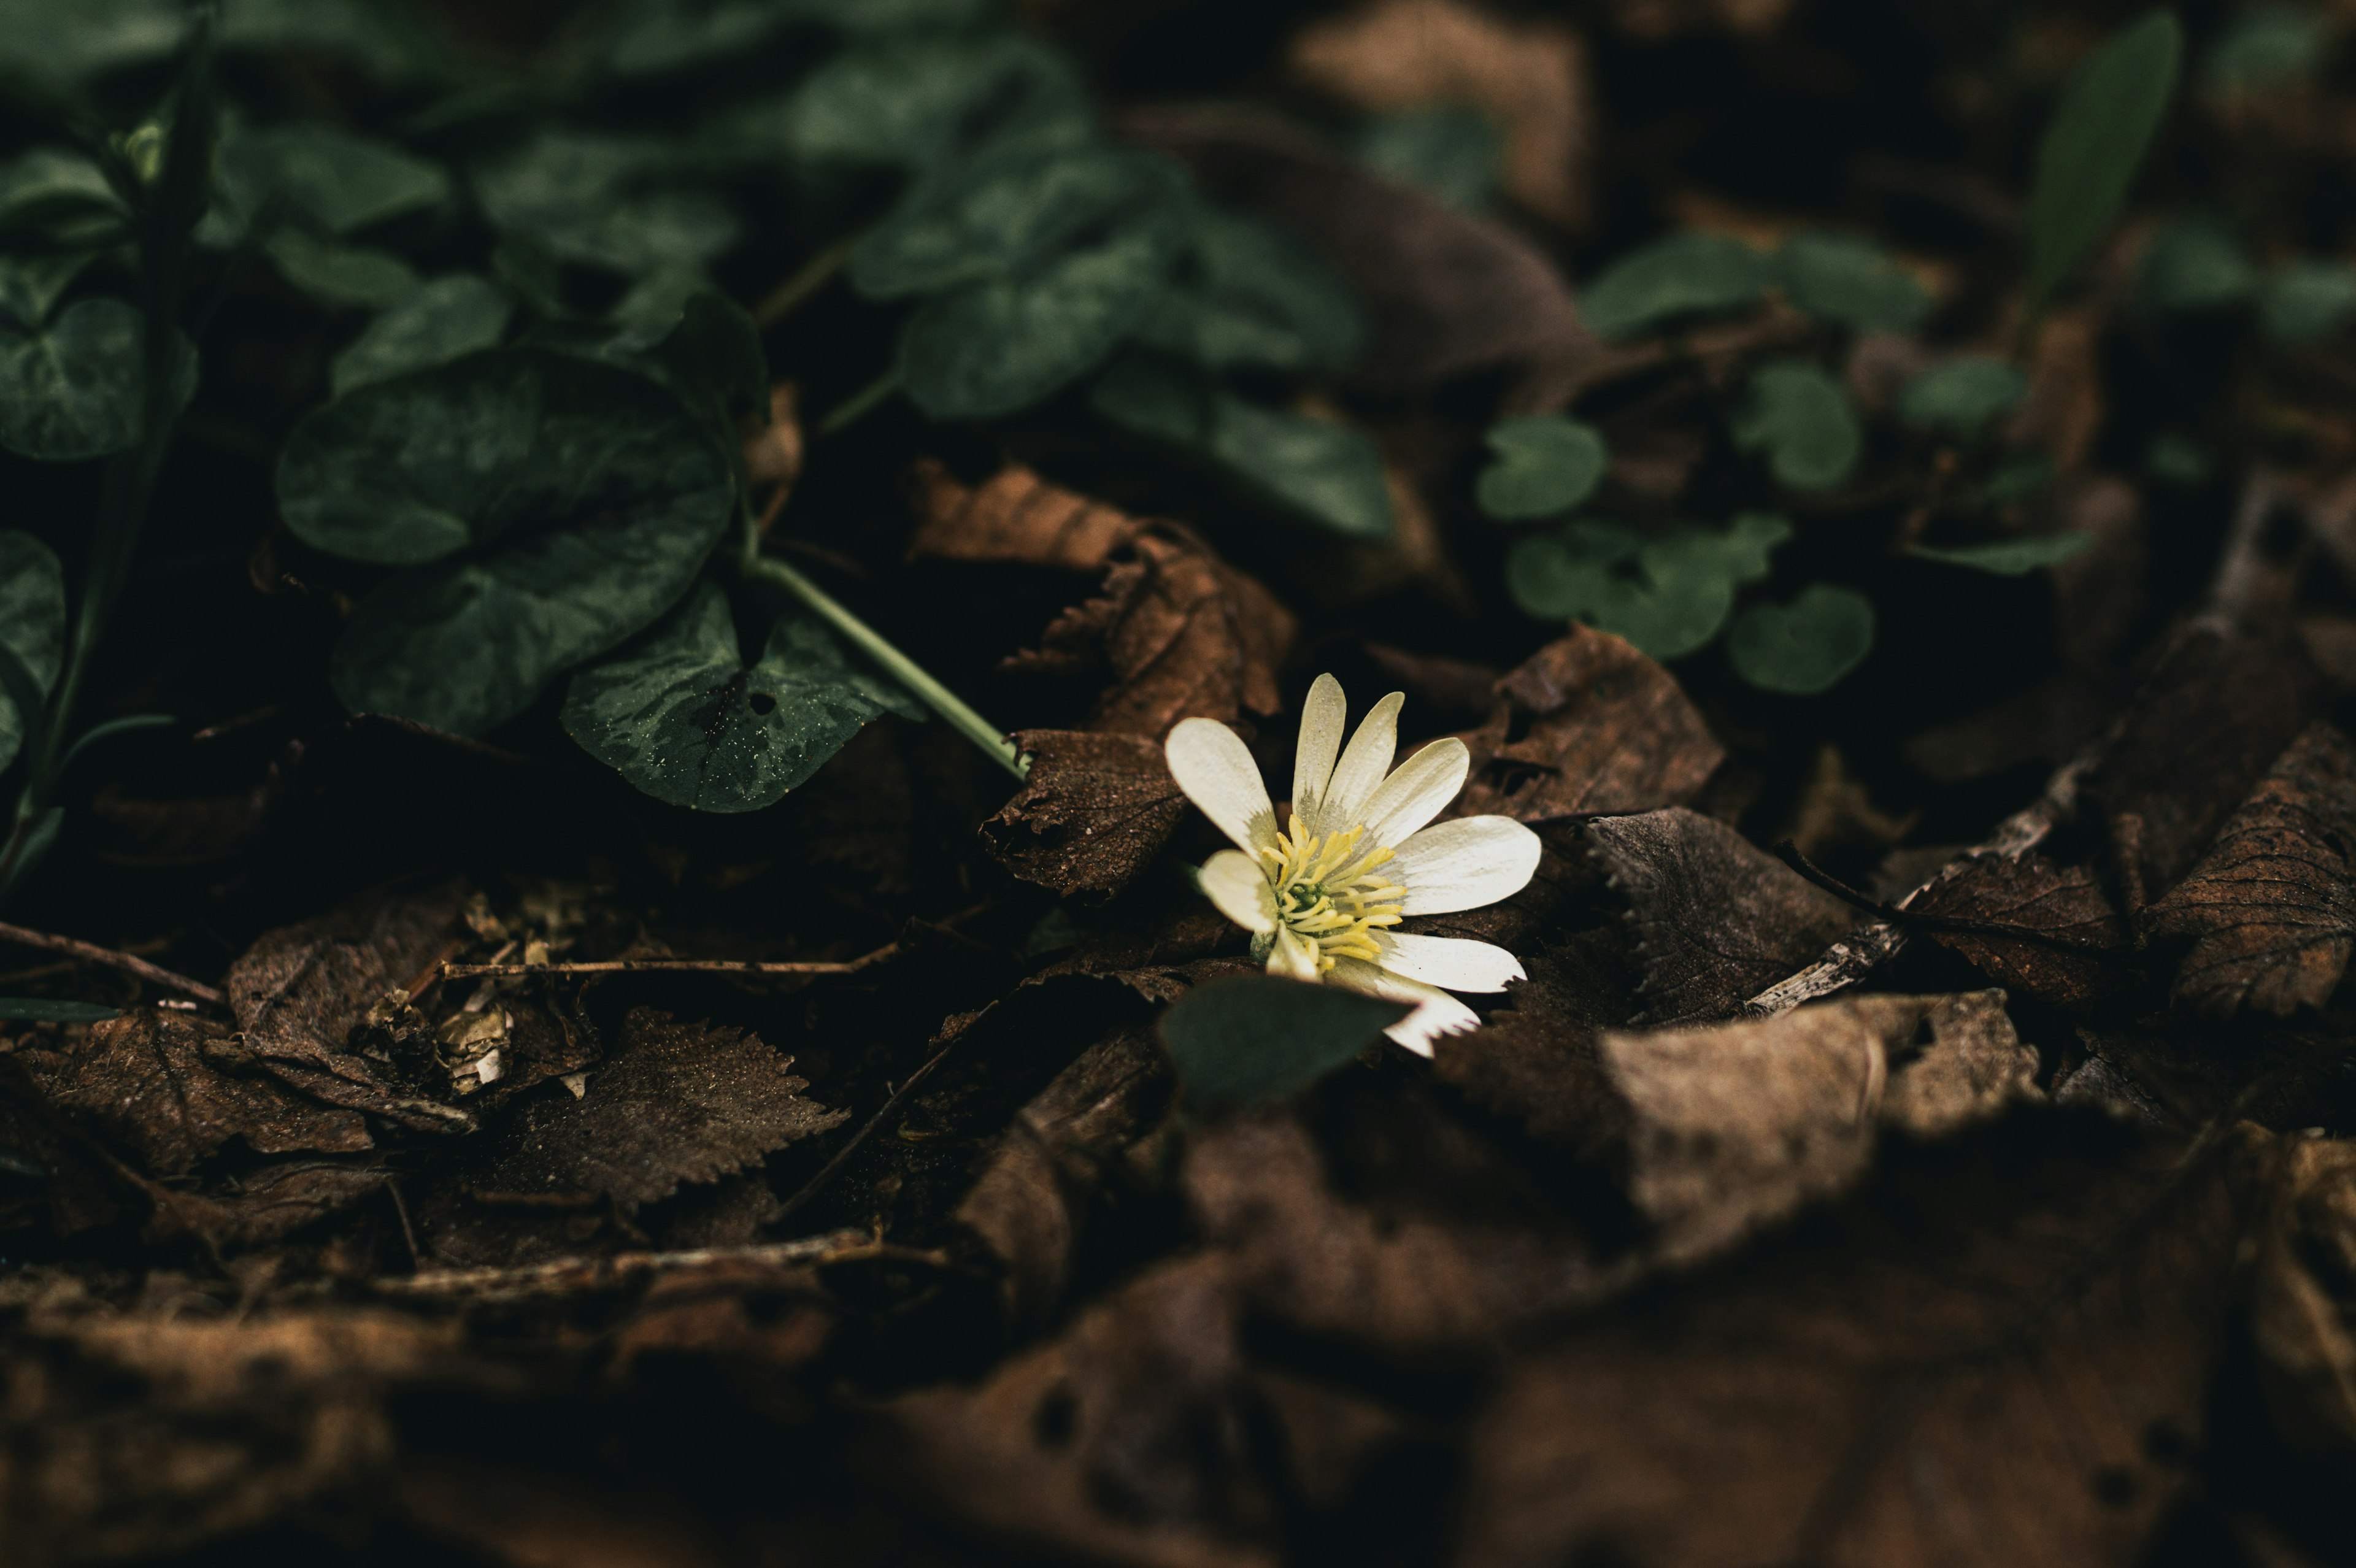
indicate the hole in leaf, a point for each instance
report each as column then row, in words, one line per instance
column 761, row 702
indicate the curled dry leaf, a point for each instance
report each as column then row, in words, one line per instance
column 1734, row 1126
column 2029, row 1317
column 1015, row 516
column 1718, row 919
column 1529, row 77
column 156, row 1082
column 2065, row 903
column 2271, row 909
column 1535, row 1061
column 1588, row 726
column 2303, row 1300
column 1093, row 812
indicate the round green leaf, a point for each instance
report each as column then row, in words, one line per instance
column 2265, row 47
column 71, row 390
column 1676, row 599
column 328, row 180
column 356, row 276
column 2010, row 558
column 1545, row 464
column 1246, row 294
column 1850, row 283
column 2093, row 144
column 32, row 630
column 604, row 200
column 49, row 1010
column 1250, row 1042
column 1805, row 646
column 1802, row 418
column 2196, row 264
column 681, row 717
column 1963, row 395
column 1684, row 274
column 573, row 502
column 2303, row 301
column 438, row 323
column 1454, row 152
column 1324, row 472
column 904, row 102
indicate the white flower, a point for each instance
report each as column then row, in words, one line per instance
column 1320, row 898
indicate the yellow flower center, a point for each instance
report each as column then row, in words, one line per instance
column 1329, row 895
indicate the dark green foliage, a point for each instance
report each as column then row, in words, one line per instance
column 1250, row 1042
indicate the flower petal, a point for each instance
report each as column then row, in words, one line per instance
column 1418, row 790
column 1290, row 958
column 1451, row 963
column 1322, row 717
column 1215, row 769
column 1235, row 882
column 1360, row 772
column 1436, row 1012
column 1466, row 863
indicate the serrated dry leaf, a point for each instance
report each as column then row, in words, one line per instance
column 2271, row 909
column 2066, row 902
column 1588, row 726
column 1013, row 516
column 1092, row 814
column 1529, row 76
column 1718, row 919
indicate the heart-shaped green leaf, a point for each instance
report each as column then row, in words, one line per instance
column 604, row 200
column 1850, row 283
column 2093, row 144
column 1802, row 418
column 1246, row 294
column 1324, row 472
column 2010, row 558
column 2265, row 47
column 1960, row 397
column 2195, row 263
column 1674, row 600
column 683, row 718
column 352, row 276
column 1250, row 1042
column 563, row 505
column 1805, row 646
column 438, row 323
column 33, row 631
column 1688, row 274
column 1545, row 464
column 2304, row 301
column 71, row 389
column 323, row 179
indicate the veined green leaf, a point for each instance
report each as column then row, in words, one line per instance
column 1246, row 294
column 32, row 629
column 437, row 322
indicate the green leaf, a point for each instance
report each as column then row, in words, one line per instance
column 1454, row 152
column 71, row 390
column 604, row 200
column 2177, row 459
column 1323, row 472
column 2265, row 47
column 53, row 44
column 435, row 323
column 324, row 179
column 652, row 37
column 1008, row 214
column 32, row 630
column 63, row 195
column 700, row 344
column 681, row 715
column 1960, row 397
column 2108, row 114
column 1805, row 646
column 351, row 276
column 1247, row 295
column 48, row 1010
column 1850, row 283
column 383, row 38
column 2010, row 557
column 1680, row 593
column 30, row 286
column 2195, row 263
column 1545, row 464
column 1250, row 1042
column 2303, row 301
column 1802, row 418
column 562, row 506
column 1689, row 273
column 2013, row 479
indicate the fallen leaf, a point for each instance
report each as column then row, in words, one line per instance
column 1734, row 1126
column 1588, row 726
column 2271, row 909
column 2066, row 902
column 1718, row 920
column 1091, row 814
column 674, row 1103
column 1535, row 1061
column 1013, row 516
column 522, row 1519
column 155, row 1082
column 2000, row 1354
column 1530, row 78
column 1453, row 686
column 2303, row 1299
column 260, row 1206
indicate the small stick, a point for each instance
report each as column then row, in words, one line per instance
column 826, row 1172
column 90, row 951
column 673, row 966
column 1789, row 853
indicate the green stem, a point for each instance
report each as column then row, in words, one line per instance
column 861, row 403
column 906, row 671
column 814, row 275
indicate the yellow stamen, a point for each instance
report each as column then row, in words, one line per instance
column 1328, row 894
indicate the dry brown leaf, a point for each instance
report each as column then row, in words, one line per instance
column 1092, row 814
column 2303, row 1299
column 2271, row 909
column 1718, row 919
column 260, row 1205
column 1588, row 726
column 2066, row 902
column 1529, row 76
column 1740, row 1125
column 1536, row 1060
column 2062, row 410
column 1998, row 1357
column 1014, row 516
column 156, row 1082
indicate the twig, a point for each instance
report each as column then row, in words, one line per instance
column 826, row 1173
column 673, row 966
column 90, row 951
column 408, row 1232
column 1789, row 853
column 573, row 1276
column 813, row 276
